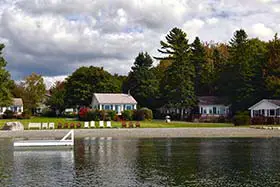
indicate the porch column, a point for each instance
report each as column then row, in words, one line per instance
column 100, row 107
column 265, row 113
column 252, row 113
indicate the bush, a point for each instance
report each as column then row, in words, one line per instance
column 48, row 113
column 143, row 114
column 127, row 115
column 102, row 115
column 83, row 113
column 241, row 119
column 92, row 115
column 26, row 114
column 8, row 114
column 70, row 115
column 111, row 115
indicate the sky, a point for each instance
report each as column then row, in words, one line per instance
column 55, row 37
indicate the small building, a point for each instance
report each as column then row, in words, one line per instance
column 212, row 106
column 16, row 107
column 113, row 101
column 266, row 108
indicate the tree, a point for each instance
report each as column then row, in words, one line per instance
column 33, row 91
column 57, row 98
column 198, row 59
column 141, row 82
column 177, row 86
column 5, row 81
column 272, row 68
column 85, row 81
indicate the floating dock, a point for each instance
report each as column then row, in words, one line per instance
column 67, row 140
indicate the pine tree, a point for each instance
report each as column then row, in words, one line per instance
column 177, row 86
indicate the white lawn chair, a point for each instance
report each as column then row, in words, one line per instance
column 51, row 125
column 101, row 124
column 44, row 125
column 92, row 124
column 86, row 124
column 108, row 124
column 34, row 125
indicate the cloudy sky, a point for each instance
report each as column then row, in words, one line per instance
column 54, row 37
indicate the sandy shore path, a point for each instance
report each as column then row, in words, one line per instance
column 146, row 133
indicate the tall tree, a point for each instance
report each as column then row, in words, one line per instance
column 142, row 83
column 56, row 101
column 85, row 81
column 272, row 68
column 198, row 59
column 5, row 81
column 33, row 91
column 177, row 85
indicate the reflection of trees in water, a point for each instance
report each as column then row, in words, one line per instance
column 167, row 161
column 43, row 167
column 6, row 160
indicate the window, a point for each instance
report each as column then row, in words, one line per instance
column 201, row 110
column 210, row 111
column 214, row 110
column 19, row 109
column 204, row 111
column 128, row 107
column 272, row 112
column 106, row 107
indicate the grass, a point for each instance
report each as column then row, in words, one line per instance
column 144, row 124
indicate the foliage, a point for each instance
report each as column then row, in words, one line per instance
column 5, row 81
column 56, row 100
column 177, row 86
column 48, row 113
column 32, row 90
column 85, row 81
column 8, row 114
column 141, row 82
column 83, row 113
column 241, row 119
column 127, row 115
column 143, row 114
column 26, row 114
column 111, row 115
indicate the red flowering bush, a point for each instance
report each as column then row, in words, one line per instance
column 83, row 113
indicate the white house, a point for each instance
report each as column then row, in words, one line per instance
column 213, row 106
column 16, row 107
column 113, row 101
column 266, row 107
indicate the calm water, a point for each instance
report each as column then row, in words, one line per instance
column 145, row 162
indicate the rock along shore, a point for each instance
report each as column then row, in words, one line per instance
column 146, row 133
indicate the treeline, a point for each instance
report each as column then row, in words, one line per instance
column 245, row 70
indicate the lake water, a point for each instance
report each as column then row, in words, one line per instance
column 145, row 162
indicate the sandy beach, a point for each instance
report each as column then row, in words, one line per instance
column 146, row 133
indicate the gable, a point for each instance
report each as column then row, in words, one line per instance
column 264, row 104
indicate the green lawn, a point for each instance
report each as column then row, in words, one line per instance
column 144, row 124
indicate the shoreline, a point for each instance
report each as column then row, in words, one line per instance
column 242, row 132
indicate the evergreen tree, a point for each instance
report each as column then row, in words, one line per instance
column 177, row 85
column 5, row 82
column 142, row 82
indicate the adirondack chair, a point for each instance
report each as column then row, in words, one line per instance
column 108, row 124
column 51, row 125
column 137, row 124
column 130, row 124
column 44, row 125
column 92, row 124
column 101, row 124
column 123, row 124
column 86, row 124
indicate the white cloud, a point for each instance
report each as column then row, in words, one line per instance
column 261, row 30
column 42, row 35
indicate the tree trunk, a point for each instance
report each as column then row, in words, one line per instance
column 182, row 114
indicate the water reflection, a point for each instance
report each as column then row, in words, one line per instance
column 108, row 161
column 43, row 167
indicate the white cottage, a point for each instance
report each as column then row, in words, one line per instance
column 16, row 107
column 266, row 107
column 113, row 101
column 213, row 106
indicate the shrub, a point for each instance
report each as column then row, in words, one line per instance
column 143, row 114
column 48, row 113
column 102, row 115
column 83, row 113
column 111, row 115
column 70, row 115
column 26, row 114
column 127, row 114
column 8, row 114
column 241, row 119
column 92, row 115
